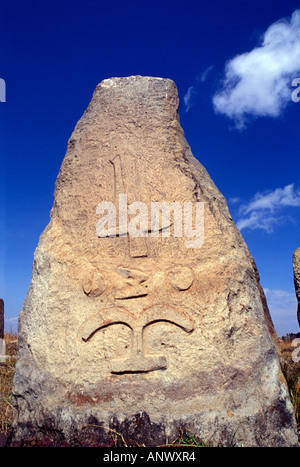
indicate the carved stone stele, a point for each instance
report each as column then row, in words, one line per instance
column 144, row 335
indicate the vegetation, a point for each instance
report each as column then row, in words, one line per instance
column 291, row 371
column 7, row 370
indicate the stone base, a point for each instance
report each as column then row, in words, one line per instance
column 87, row 427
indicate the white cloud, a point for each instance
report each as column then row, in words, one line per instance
column 188, row 97
column 234, row 200
column 192, row 92
column 205, row 73
column 258, row 220
column 11, row 324
column 266, row 209
column 271, row 200
column 283, row 309
column 258, row 83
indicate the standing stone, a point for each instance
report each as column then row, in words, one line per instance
column 152, row 334
column 2, row 341
column 296, row 266
column 2, row 350
column 1, row 318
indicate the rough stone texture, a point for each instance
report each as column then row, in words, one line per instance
column 144, row 336
column 1, row 318
column 296, row 266
column 2, row 350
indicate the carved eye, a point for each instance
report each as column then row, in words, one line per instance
column 181, row 278
column 94, row 284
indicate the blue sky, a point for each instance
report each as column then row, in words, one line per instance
column 233, row 63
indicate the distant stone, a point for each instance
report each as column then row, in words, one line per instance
column 1, row 318
column 149, row 334
column 2, row 350
column 2, row 341
column 296, row 266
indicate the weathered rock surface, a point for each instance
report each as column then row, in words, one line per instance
column 296, row 266
column 2, row 350
column 143, row 335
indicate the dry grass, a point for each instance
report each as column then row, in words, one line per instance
column 291, row 370
column 7, row 370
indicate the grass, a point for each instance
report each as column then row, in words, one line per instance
column 290, row 369
column 187, row 439
column 7, row 370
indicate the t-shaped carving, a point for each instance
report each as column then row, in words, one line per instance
column 137, row 361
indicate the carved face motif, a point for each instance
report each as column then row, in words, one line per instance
column 129, row 298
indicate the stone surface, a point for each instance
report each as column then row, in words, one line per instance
column 296, row 266
column 1, row 318
column 2, row 350
column 144, row 336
